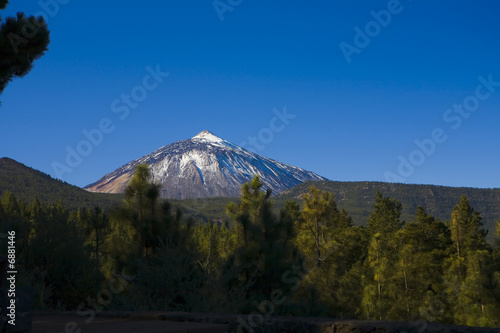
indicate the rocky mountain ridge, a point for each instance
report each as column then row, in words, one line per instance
column 205, row 166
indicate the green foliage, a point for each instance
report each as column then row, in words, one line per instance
column 151, row 241
column 383, row 225
column 215, row 244
column 27, row 184
column 265, row 246
column 385, row 218
column 498, row 234
column 95, row 225
column 51, row 255
column 357, row 199
column 138, row 227
column 476, row 304
column 466, row 228
column 3, row 3
column 259, row 258
column 421, row 247
column 471, row 270
column 320, row 218
column 334, row 249
column 205, row 209
column 9, row 204
column 121, row 245
column 170, row 279
column 141, row 193
column 22, row 41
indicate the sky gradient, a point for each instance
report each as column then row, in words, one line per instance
column 365, row 90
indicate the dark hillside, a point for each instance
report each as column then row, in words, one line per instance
column 27, row 183
column 357, row 198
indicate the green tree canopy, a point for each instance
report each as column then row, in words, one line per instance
column 320, row 218
column 266, row 248
column 22, row 41
column 470, row 270
column 466, row 227
column 383, row 224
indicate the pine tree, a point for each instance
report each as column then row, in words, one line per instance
column 3, row 215
column 292, row 208
column 35, row 209
column 320, row 218
column 385, row 217
column 122, row 245
column 152, row 242
column 326, row 236
column 339, row 277
column 22, row 41
column 14, row 219
column 142, row 195
column 496, row 268
column 383, row 224
column 214, row 243
column 171, row 276
column 137, row 228
column 477, row 301
column 466, row 228
column 421, row 248
column 137, row 188
column 59, row 265
column 10, row 205
column 265, row 246
column 470, row 270
column 498, row 235
column 95, row 225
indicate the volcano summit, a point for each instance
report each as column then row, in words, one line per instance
column 205, row 166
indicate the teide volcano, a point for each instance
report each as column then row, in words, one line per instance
column 205, row 166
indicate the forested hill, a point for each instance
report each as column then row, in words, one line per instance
column 358, row 198
column 27, row 183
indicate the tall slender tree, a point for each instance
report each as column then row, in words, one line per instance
column 135, row 226
column 469, row 270
column 320, row 218
column 95, row 224
column 466, row 225
column 265, row 249
column 383, row 224
column 421, row 248
column 498, row 235
column 142, row 194
column 326, row 236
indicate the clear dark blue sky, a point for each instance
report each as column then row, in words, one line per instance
column 356, row 117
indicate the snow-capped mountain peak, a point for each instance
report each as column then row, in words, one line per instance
column 206, row 135
column 205, row 166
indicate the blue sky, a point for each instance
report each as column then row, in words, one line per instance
column 348, row 120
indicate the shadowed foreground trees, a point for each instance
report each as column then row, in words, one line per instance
column 302, row 260
column 150, row 241
column 50, row 253
column 265, row 247
column 334, row 249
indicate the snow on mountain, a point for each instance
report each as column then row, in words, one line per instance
column 205, row 166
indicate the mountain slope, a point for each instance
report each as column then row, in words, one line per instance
column 358, row 198
column 205, row 166
column 27, row 183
